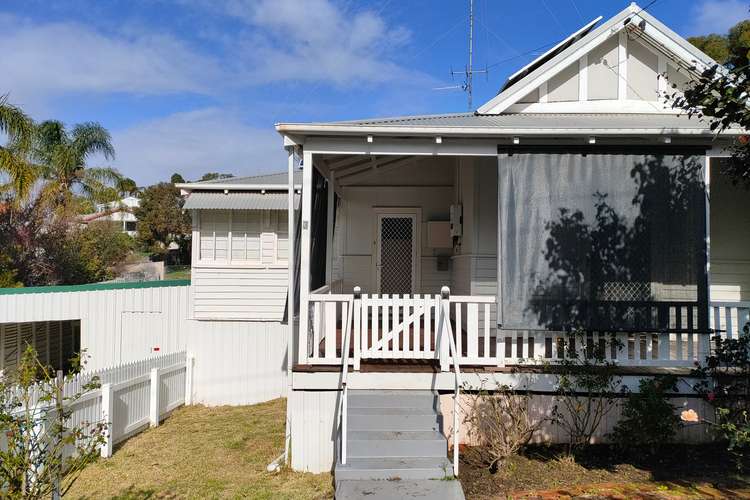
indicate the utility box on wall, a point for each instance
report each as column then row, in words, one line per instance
column 439, row 234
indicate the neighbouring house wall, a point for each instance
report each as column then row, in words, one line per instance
column 239, row 269
column 427, row 184
column 237, row 293
column 730, row 238
column 235, row 362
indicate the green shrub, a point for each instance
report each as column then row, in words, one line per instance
column 648, row 418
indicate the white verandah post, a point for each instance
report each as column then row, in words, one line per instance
column 304, row 279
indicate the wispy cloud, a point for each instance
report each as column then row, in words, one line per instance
column 45, row 60
column 195, row 142
column 316, row 41
column 717, row 16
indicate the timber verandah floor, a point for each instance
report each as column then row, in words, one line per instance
column 415, row 335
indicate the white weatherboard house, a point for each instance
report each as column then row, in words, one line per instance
column 575, row 197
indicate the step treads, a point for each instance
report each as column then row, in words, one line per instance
column 397, row 490
column 378, row 435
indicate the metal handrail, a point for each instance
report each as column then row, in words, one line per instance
column 445, row 294
column 345, row 370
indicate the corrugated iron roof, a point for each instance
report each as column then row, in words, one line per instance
column 280, row 178
column 537, row 121
column 238, row 201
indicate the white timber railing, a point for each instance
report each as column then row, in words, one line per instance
column 406, row 327
column 131, row 397
column 729, row 318
column 456, row 358
column 345, row 372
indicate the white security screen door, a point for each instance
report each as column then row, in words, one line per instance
column 396, row 262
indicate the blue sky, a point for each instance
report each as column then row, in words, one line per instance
column 192, row 86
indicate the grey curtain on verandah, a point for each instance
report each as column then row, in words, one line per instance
column 599, row 240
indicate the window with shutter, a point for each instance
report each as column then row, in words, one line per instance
column 244, row 237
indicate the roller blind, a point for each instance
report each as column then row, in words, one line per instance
column 598, row 240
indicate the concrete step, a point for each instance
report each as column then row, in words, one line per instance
column 396, row 444
column 394, row 468
column 393, row 419
column 392, row 399
column 397, row 490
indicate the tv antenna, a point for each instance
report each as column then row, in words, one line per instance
column 469, row 71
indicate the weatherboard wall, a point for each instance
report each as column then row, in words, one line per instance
column 236, row 362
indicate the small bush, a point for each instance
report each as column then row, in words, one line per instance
column 725, row 384
column 499, row 422
column 648, row 418
column 588, row 383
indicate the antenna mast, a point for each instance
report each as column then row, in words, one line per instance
column 468, row 70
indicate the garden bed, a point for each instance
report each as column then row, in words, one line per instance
column 678, row 471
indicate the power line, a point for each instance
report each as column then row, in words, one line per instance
column 575, row 6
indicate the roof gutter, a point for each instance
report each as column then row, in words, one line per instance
column 464, row 132
column 192, row 186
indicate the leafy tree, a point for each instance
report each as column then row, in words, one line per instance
column 176, row 179
column 719, row 95
column 732, row 49
column 45, row 450
column 212, row 176
column 63, row 155
column 95, row 251
column 161, row 220
column 19, row 129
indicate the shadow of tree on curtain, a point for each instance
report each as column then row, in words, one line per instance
column 615, row 272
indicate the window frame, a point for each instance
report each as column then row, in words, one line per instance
column 267, row 230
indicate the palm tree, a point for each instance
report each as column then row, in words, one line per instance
column 19, row 130
column 63, row 156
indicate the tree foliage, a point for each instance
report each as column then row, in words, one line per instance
column 63, row 157
column 720, row 94
column 161, row 220
column 732, row 49
column 19, row 130
column 45, row 450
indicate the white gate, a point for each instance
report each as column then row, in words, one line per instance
column 399, row 327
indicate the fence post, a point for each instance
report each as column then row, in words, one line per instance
column 445, row 294
column 153, row 414
column 189, row 364
column 357, row 318
column 107, row 418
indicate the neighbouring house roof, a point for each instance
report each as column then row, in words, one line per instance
column 93, row 287
column 503, row 124
column 104, row 214
column 275, row 181
column 237, row 201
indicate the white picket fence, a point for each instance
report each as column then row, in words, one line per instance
column 132, row 396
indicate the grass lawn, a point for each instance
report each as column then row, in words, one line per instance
column 202, row 452
column 177, row 273
column 684, row 472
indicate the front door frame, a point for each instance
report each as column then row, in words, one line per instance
column 416, row 213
